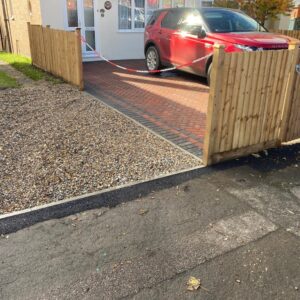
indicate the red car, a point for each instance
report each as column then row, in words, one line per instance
column 178, row 36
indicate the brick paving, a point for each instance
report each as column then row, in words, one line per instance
column 172, row 104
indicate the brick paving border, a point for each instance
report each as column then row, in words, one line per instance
column 179, row 118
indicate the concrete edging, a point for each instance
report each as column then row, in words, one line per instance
column 94, row 94
column 15, row 221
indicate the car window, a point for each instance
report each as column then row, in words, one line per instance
column 171, row 20
column 191, row 21
column 230, row 21
column 154, row 16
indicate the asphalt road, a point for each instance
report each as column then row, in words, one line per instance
column 237, row 229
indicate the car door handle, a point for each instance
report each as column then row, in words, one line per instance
column 159, row 31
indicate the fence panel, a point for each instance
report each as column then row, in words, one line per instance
column 57, row 52
column 293, row 120
column 249, row 98
column 292, row 33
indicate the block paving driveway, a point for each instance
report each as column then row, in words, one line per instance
column 172, row 104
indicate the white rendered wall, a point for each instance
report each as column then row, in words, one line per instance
column 53, row 13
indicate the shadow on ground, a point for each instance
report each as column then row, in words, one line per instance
column 172, row 104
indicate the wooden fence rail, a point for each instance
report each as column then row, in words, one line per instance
column 254, row 101
column 292, row 33
column 57, row 52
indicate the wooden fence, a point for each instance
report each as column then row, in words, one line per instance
column 292, row 33
column 57, row 52
column 254, row 102
column 292, row 121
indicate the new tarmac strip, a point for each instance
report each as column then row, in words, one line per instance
column 237, row 229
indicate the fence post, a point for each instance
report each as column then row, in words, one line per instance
column 293, row 46
column 214, row 101
column 30, row 41
column 79, row 59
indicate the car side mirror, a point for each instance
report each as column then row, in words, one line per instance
column 201, row 33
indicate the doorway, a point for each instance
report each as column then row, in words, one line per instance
column 81, row 13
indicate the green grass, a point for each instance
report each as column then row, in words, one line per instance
column 23, row 64
column 7, row 81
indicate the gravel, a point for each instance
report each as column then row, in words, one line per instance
column 56, row 143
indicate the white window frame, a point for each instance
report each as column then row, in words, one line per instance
column 132, row 19
column 172, row 1
column 146, row 10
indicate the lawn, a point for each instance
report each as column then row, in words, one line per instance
column 23, row 64
column 7, row 81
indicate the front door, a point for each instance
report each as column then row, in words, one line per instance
column 81, row 13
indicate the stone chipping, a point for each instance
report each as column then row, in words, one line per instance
column 57, row 142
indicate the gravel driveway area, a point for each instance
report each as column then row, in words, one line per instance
column 57, row 142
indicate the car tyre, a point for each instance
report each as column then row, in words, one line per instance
column 152, row 59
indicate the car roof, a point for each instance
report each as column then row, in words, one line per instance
column 200, row 9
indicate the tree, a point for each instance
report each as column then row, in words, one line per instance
column 261, row 10
column 227, row 3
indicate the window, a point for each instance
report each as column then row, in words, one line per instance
column 88, row 6
column 152, row 5
column 131, row 14
column 206, row 3
column 72, row 13
column 166, row 3
column 178, row 3
column 191, row 22
column 172, row 3
column 171, row 20
column 230, row 21
column 153, row 18
column 139, row 14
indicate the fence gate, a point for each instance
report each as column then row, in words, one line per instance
column 254, row 102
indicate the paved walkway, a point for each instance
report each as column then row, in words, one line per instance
column 173, row 104
column 237, row 229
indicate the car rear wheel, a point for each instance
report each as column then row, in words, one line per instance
column 152, row 59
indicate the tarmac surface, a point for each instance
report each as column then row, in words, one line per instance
column 237, row 229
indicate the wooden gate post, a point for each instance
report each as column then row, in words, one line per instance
column 78, row 55
column 294, row 46
column 213, row 104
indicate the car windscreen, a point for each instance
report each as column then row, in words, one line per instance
column 229, row 21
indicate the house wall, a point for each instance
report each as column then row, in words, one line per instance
column 53, row 13
column 115, row 44
column 110, row 41
column 4, row 36
column 284, row 22
column 19, row 13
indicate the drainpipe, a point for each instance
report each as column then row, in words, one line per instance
column 7, row 25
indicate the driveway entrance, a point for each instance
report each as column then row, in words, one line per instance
column 172, row 104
